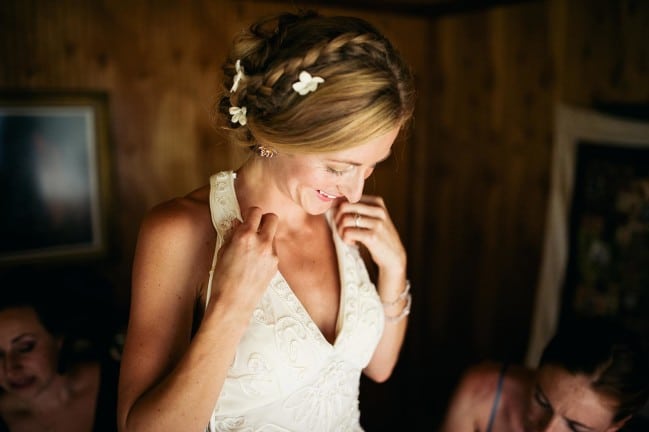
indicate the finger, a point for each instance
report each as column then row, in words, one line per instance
column 252, row 218
column 370, row 206
column 372, row 200
column 358, row 221
column 363, row 236
column 268, row 225
column 361, row 218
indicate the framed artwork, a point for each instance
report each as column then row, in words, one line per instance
column 595, row 258
column 608, row 261
column 53, row 176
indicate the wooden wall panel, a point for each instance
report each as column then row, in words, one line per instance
column 495, row 78
column 490, row 162
column 601, row 57
column 467, row 189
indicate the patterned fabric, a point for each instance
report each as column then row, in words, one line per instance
column 285, row 375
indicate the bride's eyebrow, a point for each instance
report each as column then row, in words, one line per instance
column 350, row 162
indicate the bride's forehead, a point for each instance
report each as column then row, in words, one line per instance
column 374, row 150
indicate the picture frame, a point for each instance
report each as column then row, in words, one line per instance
column 54, row 176
column 583, row 138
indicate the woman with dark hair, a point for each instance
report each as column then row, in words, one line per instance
column 53, row 376
column 593, row 376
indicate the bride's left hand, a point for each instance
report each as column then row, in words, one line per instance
column 368, row 222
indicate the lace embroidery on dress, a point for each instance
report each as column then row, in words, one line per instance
column 224, row 210
column 285, row 375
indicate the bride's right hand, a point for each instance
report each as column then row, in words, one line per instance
column 247, row 261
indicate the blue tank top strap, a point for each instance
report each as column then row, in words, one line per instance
column 494, row 408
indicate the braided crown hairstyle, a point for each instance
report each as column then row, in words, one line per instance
column 367, row 91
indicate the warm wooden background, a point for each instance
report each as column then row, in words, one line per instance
column 468, row 190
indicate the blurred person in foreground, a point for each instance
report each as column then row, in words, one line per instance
column 59, row 368
column 593, row 376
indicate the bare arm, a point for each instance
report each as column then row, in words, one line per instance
column 168, row 380
column 470, row 405
column 377, row 233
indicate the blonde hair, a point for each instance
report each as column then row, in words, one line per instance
column 367, row 91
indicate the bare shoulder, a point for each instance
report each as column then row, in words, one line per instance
column 190, row 212
column 479, row 381
column 518, row 381
column 471, row 401
column 482, row 379
column 175, row 245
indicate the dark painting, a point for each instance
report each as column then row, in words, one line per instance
column 608, row 267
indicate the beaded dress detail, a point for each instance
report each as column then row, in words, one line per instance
column 285, row 375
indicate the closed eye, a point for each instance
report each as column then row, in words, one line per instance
column 578, row 427
column 340, row 172
column 26, row 347
column 540, row 398
column 335, row 171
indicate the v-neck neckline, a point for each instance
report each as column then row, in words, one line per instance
column 279, row 278
column 224, row 223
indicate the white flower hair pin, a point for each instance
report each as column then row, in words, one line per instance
column 238, row 115
column 307, row 83
column 239, row 75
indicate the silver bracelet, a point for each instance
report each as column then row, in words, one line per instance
column 402, row 296
column 404, row 312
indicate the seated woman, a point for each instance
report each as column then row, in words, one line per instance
column 593, row 377
column 51, row 378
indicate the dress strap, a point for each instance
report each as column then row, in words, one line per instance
column 494, row 408
column 224, row 210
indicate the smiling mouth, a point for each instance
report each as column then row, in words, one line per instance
column 326, row 195
column 21, row 384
